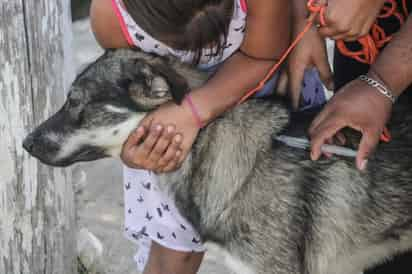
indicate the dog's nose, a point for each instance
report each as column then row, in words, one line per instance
column 28, row 143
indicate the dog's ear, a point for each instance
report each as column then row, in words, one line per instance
column 178, row 86
column 151, row 84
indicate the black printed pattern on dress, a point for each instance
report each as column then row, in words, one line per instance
column 143, row 232
column 241, row 29
column 226, row 46
column 139, row 37
column 148, row 217
column 128, row 186
column 140, row 233
column 147, row 186
column 165, row 207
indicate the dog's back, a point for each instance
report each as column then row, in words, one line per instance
column 273, row 207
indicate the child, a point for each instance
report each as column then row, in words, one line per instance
column 238, row 40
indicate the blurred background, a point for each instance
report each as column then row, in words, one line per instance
column 80, row 9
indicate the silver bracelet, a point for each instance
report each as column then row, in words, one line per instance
column 378, row 86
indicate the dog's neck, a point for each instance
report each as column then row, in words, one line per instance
column 225, row 153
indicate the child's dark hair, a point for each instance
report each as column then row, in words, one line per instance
column 185, row 24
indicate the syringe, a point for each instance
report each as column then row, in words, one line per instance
column 304, row 143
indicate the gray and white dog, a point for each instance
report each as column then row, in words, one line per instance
column 267, row 205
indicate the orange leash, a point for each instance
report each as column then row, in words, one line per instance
column 282, row 59
column 376, row 40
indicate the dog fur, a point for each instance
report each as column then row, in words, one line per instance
column 268, row 206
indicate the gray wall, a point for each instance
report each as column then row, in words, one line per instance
column 37, row 216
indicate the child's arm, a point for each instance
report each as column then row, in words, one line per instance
column 267, row 36
column 105, row 25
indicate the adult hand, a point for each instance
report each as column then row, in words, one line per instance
column 358, row 106
column 349, row 19
column 160, row 148
column 311, row 51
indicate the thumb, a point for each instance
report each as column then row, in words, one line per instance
column 134, row 138
column 368, row 143
column 295, row 84
column 325, row 72
column 282, row 85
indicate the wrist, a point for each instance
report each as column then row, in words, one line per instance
column 193, row 109
column 209, row 104
column 387, row 80
column 373, row 80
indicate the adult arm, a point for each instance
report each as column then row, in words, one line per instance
column 362, row 107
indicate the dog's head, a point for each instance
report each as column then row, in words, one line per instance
column 105, row 103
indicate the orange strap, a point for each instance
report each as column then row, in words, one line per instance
column 376, row 40
column 282, row 59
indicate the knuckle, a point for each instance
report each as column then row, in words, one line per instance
column 148, row 144
column 150, row 166
column 137, row 163
column 158, row 150
column 166, row 159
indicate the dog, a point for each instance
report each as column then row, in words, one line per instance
column 267, row 206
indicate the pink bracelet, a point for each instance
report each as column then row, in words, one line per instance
column 195, row 113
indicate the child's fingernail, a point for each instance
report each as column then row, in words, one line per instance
column 178, row 153
column 170, row 129
column 139, row 130
column 157, row 127
column 178, row 138
column 363, row 165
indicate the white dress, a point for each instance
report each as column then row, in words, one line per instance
column 151, row 214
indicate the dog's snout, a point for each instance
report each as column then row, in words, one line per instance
column 39, row 146
column 28, row 143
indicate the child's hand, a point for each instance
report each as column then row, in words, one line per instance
column 161, row 148
column 350, row 19
column 311, row 51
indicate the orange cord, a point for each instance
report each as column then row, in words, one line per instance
column 376, row 40
column 370, row 44
column 268, row 76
